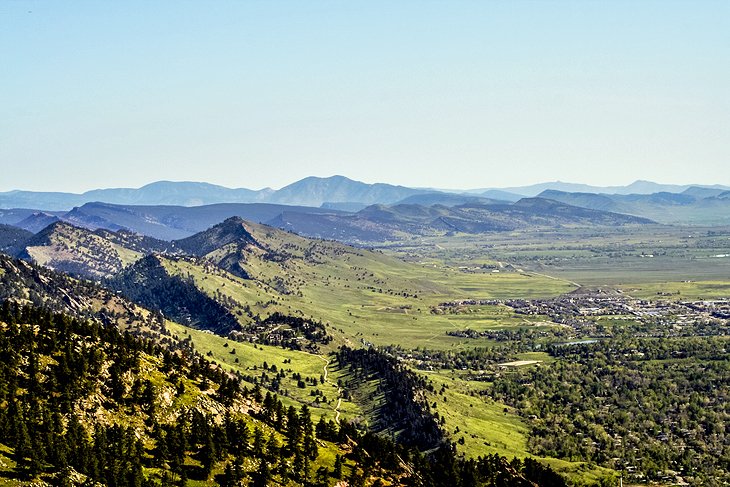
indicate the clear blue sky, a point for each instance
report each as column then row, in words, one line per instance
column 441, row 94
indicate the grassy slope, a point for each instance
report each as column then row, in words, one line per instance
column 342, row 287
column 250, row 356
column 367, row 295
column 488, row 427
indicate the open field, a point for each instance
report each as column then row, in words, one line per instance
column 683, row 290
column 595, row 257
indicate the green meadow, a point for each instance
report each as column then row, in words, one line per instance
column 378, row 299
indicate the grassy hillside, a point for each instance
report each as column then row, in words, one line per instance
column 479, row 425
column 85, row 404
column 362, row 295
column 259, row 364
column 66, row 248
column 133, row 396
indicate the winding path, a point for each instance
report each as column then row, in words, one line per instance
column 339, row 389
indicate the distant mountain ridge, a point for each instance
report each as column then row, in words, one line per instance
column 100, row 253
column 351, row 211
column 388, row 223
column 161, row 222
column 311, row 191
column 314, row 191
column 695, row 205
column 158, row 193
column 37, row 221
column 637, row 187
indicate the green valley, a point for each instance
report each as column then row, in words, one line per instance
column 455, row 330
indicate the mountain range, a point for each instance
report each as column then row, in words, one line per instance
column 390, row 223
column 353, row 212
column 637, row 187
column 310, row 191
column 97, row 246
column 163, row 222
column 694, row 205
column 374, row 223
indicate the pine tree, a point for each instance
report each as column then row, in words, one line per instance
column 272, row 448
column 299, row 466
column 227, row 480
column 208, row 456
column 24, row 453
column 293, row 432
column 337, row 469
column 262, row 477
column 309, row 444
column 258, row 443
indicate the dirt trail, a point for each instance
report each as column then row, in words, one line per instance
column 339, row 389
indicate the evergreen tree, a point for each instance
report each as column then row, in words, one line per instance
column 25, row 455
column 258, row 443
column 208, row 456
column 262, row 477
column 337, row 469
column 309, row 444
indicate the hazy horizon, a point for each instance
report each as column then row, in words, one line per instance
column 445, row 189
column 448, row 95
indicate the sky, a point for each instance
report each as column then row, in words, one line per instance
column 448, row 94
